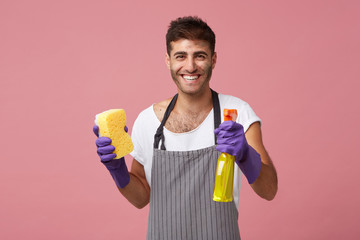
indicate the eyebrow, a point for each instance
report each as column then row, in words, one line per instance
column 185, row 53
column 180, row 53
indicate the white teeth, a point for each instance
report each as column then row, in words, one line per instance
column 190, row 78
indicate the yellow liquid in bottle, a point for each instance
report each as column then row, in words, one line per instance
column 224, row 179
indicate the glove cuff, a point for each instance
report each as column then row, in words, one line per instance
column 250, row 165
column 119, row 171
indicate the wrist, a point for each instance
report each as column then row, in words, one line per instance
column 250, row 164
column 119, row 171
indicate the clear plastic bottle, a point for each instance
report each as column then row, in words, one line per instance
column 224, row 179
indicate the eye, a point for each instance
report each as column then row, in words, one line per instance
column 179, row 57
column 201, row 56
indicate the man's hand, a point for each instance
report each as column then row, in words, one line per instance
column 231, row 139
column 116, row 167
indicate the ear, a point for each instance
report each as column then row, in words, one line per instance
column 167, row 60
column 213, row 60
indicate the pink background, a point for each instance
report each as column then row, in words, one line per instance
column 62, row 62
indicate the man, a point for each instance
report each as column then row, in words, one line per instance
column 175, row 154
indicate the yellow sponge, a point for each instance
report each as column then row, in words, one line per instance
column 111, row 124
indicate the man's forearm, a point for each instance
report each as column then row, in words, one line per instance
column 136, row 192
column 266, row 184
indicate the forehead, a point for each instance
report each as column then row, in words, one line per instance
column 189, row 46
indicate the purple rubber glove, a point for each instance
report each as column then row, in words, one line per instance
column 116, row 167
column 231, row 139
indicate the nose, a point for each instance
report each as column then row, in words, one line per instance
column 190, row 65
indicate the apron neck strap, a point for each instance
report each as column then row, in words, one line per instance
column 159, row 135
column 217, row 111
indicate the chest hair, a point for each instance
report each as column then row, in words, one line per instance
column 180, row 123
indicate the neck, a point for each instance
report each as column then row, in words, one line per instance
column 201, row 102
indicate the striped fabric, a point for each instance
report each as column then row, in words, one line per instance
column 181, row 205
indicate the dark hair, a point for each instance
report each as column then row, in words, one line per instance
column 192, row 28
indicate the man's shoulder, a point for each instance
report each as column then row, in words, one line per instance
column 154, row 112
column 229, row 100
column 146, row 120
column 160, row 108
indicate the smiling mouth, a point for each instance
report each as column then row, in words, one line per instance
column 190, row 77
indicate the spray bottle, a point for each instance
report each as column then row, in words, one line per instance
column 224, row 179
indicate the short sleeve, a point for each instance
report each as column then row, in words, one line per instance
column 136, row 137
column 247, row 116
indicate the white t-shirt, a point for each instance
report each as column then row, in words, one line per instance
column 146, row 124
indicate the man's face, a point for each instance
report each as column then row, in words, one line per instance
column 191, row 64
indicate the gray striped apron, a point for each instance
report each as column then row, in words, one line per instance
column 182, row 184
